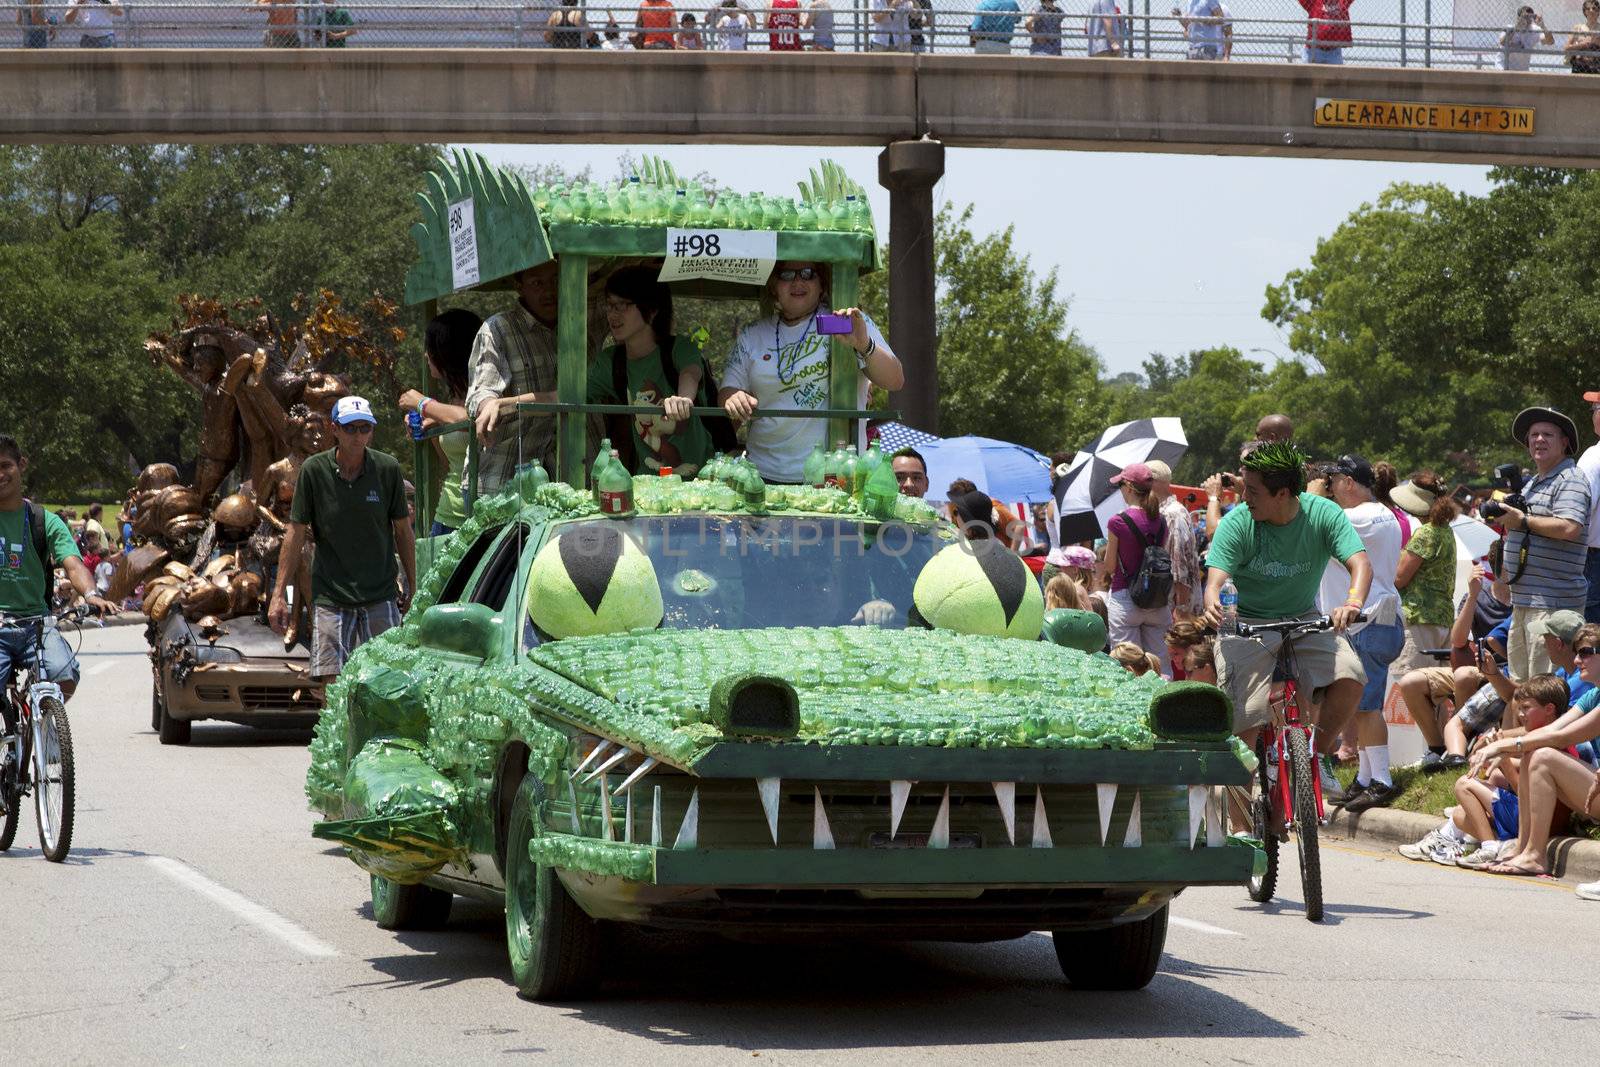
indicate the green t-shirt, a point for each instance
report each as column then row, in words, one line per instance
column 354, row 563
column 452, row 508
column 657, row 440
column 1278, row 569
column 1427, row 600
column 336, row 19
column 22, row 579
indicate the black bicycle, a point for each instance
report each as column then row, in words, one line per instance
column 36, row 747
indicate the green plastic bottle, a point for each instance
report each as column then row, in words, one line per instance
column 816, row 463
column 719, row 213
column 529, row 477
column 791, row 214
column 864, row 468
column 699, row 209
column 839, row 217
column 881, row 491
column 636, row 200
column 860, row 217
column 830, row 467
column 616, row 489
column 602, row 459
column 847, row 470
column 772, row 213
column 806, row 216
column 600, row 207
column 680, row 207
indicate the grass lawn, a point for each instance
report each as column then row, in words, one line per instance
column 1432, row 793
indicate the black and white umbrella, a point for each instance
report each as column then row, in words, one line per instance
column 1084, row 494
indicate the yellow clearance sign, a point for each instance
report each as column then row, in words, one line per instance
column 1426, row 117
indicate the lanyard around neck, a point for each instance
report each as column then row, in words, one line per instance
column 777, row 327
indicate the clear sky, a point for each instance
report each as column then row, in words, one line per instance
column 1158, row 253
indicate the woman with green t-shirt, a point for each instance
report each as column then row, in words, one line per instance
column 1426, row 576
column 448, row 343
column 639, row 313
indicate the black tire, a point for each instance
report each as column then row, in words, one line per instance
column 53, row 797
column 554, row 946
column 1305, row 823
column 12, row 801
column 409, row 907
column 172, row 731
column 1121, row 957
column 1261, row 824
column 157, row 705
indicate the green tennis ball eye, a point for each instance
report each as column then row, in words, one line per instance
column 979, row 587
column 1083, row 630
column 592, row 579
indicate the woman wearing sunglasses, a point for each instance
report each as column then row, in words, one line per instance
column 780, row 362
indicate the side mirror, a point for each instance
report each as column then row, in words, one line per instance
column 469, row 629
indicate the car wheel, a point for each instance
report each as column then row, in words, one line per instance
column 409, row 907
column 172, row 731
column 155, row 703
column 1113, row 957
column 554, row 946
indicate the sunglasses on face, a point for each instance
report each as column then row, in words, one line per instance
column 1588, row 650
column 805, row 274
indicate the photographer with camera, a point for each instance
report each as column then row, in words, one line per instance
column 93, row 19
column 1546, row 536
column 1518, row 43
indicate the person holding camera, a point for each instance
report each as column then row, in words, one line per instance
column 1546, row 537
column 93, row 19
column 1517, row 44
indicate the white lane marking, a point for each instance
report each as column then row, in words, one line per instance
column 246, row 909
column 1202, row 928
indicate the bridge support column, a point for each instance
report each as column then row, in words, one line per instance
column 909, row 170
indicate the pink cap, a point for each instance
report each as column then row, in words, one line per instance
column 1135, row 474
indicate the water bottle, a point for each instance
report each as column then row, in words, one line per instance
column 616, row 489
column 815, row 464
column 1229, row 599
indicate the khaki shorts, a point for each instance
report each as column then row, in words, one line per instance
column 1527, row 654
column 1441, row 682
column 1244, row 670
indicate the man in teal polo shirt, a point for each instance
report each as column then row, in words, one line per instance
column 1276, row 549
column 351, row 501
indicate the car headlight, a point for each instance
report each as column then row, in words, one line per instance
column 218, row 654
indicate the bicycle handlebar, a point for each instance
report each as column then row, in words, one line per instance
column 77, row 614
column 1291, row 626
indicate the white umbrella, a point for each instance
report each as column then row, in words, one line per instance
column 1084, row 494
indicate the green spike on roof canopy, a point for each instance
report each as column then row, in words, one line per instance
column 510, row 235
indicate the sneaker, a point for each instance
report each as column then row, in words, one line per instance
column 1454, row 761
column 1330, row 784
column 1432, row 762
column 1421, row 850
column 1487, row 853
column 1375, row 795
column 1589, row 891
column 1348, row 794
column 1447, row 851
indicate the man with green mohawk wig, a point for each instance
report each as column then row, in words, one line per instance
column 1275, row 549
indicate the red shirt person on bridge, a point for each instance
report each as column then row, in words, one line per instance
column 1327, row 30
column 657, row 24
column 783, row 25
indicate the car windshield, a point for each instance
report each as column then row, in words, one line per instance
column 749, row 572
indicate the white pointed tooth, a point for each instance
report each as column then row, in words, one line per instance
column 572, row 801
column 1135, row 835
column 655, row 818
column 689, row 832
column 899, row 793
column 1197, row 810
column 1107, row 796
column 638, row 772
column 594, row 753
column 605, row 810
column 821, row 832
column 627, row 818
column 769, row 789
column 940, row 837
column 1214, row 832
column 1005, row 795
column 611, row 761
column 1041, row 822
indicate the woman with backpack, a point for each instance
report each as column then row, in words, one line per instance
column 1139, row 608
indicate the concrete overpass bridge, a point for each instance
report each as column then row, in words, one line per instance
column 913, row 104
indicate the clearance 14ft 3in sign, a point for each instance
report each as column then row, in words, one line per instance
column 1426, row 117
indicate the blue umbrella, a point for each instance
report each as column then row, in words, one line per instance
column 1007, row 472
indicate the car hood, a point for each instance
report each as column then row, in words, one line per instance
column 860, row 686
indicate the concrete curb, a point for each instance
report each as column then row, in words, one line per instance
column 1573, row 859
column 122, row 618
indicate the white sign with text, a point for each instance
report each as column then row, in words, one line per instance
column 463, row 244
column 743, row 256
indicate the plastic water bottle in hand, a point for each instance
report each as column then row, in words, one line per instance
column 1229, row 600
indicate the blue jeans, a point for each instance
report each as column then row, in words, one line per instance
column 16, row 652
column 1378, row 645
column 1325, row 55
column 1591, row 571
column 105, row 40
column 439, row 529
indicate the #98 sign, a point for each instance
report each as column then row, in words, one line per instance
column 742, row 256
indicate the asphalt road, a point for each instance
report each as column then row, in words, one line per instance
column 198, row 921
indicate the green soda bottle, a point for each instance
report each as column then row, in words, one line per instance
column 806, row 216
column 560, row 204
column 791, row 214
column 636, row 200
column 860, row 218
column 847, row 470
column 839, row 217
column 680, row 207
column 616, row 489
column 600, row 207
column 864, row 468
column 719, row 213
column 601, row 460
column 815, row 465
column 881, row 491
column 772, row 214
column 830, row 467
column 699, row 209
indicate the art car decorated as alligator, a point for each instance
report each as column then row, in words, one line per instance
column 683, row 719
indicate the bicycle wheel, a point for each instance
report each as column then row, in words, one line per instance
column 54, row 781
column 1261, row 824
column 11, row 802
column 1305, row 822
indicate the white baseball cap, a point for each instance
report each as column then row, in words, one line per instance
column 353, row 409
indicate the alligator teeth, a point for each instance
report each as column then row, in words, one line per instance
column 940, row 836
column 572, row 800
column 627, row 818
column 594, row 753
column 899, row 793
column 611, row 761
column 1107, row 796
column 768, row 788
column 1005, row 794
column 605, row 809
column 821, row 832
column 655, row 818
column 1197, row 810
column 1041, row 823
column 689, row 832
column 638, row 772
column 1134, row 837
column 1214, row 833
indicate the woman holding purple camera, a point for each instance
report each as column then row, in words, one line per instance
column 780, row 362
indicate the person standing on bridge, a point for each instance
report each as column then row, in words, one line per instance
column 1327, row 30
column 283, row 23
column 93, row 19
column 1583, row 44
column 993, row 23
column 733, row 27
column 818, row 19
column 1043, row 28
column 783, row 26
column 891, row 25
column 1101, row 28
column 1521, row 38
column 656, row 21
column 1203, row 22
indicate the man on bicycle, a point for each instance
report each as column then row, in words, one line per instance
column 1276, row 549
column 25, row 578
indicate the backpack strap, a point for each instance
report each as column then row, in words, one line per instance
column 33, row 517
